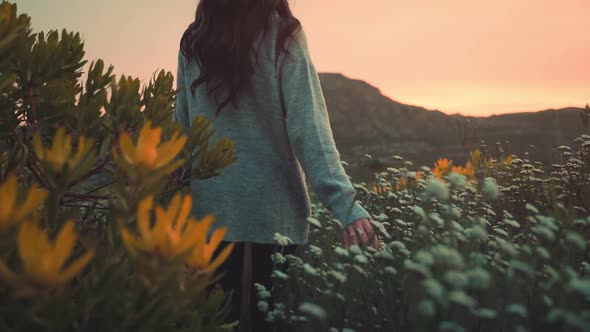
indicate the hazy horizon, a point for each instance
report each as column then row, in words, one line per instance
column 458, row 56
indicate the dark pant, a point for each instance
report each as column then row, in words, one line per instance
column 233, row 272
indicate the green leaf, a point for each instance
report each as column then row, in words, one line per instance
column 461, row 298
column 313, row 310
column 486, row 313
column 517, row 309
column 576, row 240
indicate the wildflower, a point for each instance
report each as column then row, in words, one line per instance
column 310, row 270
column 149, row 152
column 468, row 171
column 315, row 250
column 282, row 240
column 199, row 259
column 458, row 179
column 313, row 310
column 442, row 168
column 362, row 259
column 475, row 158
column 402, row 183
column 11, row 210
column 391, row 270
column 43, row 260
column 419, row 175
column 173, row 233
column 381, row 189
column 279, row 275
column 491, row 163
column 278, row 258
column 341, row 252
column 490, row 189
column 436, row 188
column 508, row 160
column 60, row 153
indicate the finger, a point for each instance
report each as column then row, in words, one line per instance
column 359, row 230
column 351, row 229
column 363, row 237
column 376, row 243
column 369, row 230
column 345, row 242
column 353, row 237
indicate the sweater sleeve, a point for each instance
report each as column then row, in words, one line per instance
column 310, row 134
column 181, row 113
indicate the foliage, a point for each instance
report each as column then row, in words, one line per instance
column 94, row 234
column 501, row 247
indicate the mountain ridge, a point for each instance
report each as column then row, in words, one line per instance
column 364, row 121
column 356, row 80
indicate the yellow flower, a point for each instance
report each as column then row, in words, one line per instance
column 381, row 189
column 173, row 233
column 475, row 158
column 508, row 160
column 60, row 153
column 442, row 168
column 419, row 175
column 199, row 259
column 149, row 152
column 491, row 163
column 12, row 211
column 402, row 183
column 43, row 260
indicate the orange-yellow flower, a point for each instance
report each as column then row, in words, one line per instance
column 475, row 158
column 419, row 175
column 491, row 163
column 13, row 210
column 381, row 189
column 443, row 163
column 43, row 260
column 150, row 152
column 508, row 160
column 468, row 171
column 402, row 183
column 60, row 153
column 442, row 168
column 199, row 259
column 174, row 232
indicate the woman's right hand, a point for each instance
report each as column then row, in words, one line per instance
column 360, row 232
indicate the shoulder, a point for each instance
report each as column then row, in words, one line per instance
column 296, row 43
column 182, row 61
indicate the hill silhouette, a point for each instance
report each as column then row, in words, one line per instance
column 364, row 121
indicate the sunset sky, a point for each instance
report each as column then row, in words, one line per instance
column 472, row 57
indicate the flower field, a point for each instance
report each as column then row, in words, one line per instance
column 498, row 244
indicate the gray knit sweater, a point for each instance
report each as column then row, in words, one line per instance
column 281, row 133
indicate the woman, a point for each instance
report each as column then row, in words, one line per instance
column 245, row 65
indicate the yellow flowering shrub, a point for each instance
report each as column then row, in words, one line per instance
column 13, row 207
column 150, row 154
column 60, row 157
column 95, row 233
column 43, row 260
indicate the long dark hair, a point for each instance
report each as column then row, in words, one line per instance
column 221, row 40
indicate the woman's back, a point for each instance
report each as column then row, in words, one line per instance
column 281, row 134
